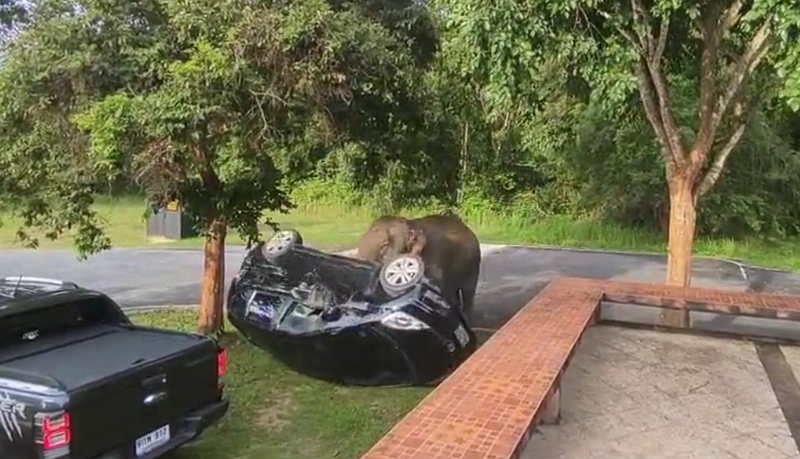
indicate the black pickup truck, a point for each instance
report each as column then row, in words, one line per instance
column 79, row 381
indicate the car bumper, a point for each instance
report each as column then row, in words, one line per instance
column 183, row 430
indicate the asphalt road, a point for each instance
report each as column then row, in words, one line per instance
column 510, row 275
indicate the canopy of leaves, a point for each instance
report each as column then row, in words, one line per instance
column 513, row 45
column 197, row 99
column 528, row 108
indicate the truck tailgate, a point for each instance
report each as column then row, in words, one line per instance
column 136, row 380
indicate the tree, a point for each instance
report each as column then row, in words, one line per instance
column 734, row 41
column 47, row 178
column 193, row 100
column 13, row 14
column 646, row 46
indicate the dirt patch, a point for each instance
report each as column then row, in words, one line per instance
column 314, row 448
column 275, row 416
column 344, row 390
column 160, row 240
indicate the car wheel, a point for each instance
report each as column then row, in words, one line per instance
column 281, row 242
column 401, row 273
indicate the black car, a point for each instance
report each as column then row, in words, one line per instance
column 78, row 380
column 346, row 320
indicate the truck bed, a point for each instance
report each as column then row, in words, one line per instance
column 93, row 354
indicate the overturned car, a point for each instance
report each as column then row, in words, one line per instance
column 345, row 320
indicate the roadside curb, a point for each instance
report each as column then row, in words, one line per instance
column 486, row 248
column 741, row 264
column 131, row 310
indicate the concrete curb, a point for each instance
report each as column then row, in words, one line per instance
column 740, row 264
column 133, row 310
column 485, row 249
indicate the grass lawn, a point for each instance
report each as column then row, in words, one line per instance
column 124, row 222
column 278, row 414
column 340, row 229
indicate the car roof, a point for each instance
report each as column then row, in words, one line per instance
column 18, row 287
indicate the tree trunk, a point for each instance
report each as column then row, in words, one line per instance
column 682, row 223
column 212, row 298
column 221, row 282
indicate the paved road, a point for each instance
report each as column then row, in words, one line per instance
column 510, row 275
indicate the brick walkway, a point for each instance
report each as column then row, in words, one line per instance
column 488, row 408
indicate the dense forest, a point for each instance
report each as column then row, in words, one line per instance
column 676, row 116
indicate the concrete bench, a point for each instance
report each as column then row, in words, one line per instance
column 488, row 407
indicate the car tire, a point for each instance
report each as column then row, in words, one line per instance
column 280, row 243
column 401, row 273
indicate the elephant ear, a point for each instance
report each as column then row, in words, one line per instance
column 416, row 241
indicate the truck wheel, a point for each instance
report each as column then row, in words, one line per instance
column 281, row 242
column 401, row 273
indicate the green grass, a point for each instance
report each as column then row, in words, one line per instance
column 124, row 221
column 590, row 234
column 278, row 414
column 340, row 228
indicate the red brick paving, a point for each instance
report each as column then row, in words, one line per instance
column 489, row 406
column 486, row 407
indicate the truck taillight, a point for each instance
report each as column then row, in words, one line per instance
column 56, row 431
column 222, row 363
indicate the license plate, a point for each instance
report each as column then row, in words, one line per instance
column 462, row 336
column 152, row 440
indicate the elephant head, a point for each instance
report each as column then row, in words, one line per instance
column 389, row 237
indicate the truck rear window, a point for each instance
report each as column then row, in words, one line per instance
column 60, row 318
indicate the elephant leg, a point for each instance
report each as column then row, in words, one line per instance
column 436, row 274
column 467, row 293
column 449, row 293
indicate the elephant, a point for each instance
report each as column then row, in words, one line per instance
column 448, row 247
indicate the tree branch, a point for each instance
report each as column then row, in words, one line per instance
column 745, row 65
column 631, row 36
column 715, row 171
column 665, row 111
column 642, row 17
column 632, row 39
column 651, row 111
column 711, row 35
column 653, row 88
column 731, row 17
column 665, row 108
column 661, row 45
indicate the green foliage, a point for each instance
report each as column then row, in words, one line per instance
column 513, row 109
column 209, row 103
column 47, row 181
column 584, row 133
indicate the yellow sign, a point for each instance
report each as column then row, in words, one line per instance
column 172, row 205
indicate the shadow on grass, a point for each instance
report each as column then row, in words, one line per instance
column 276, row 413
